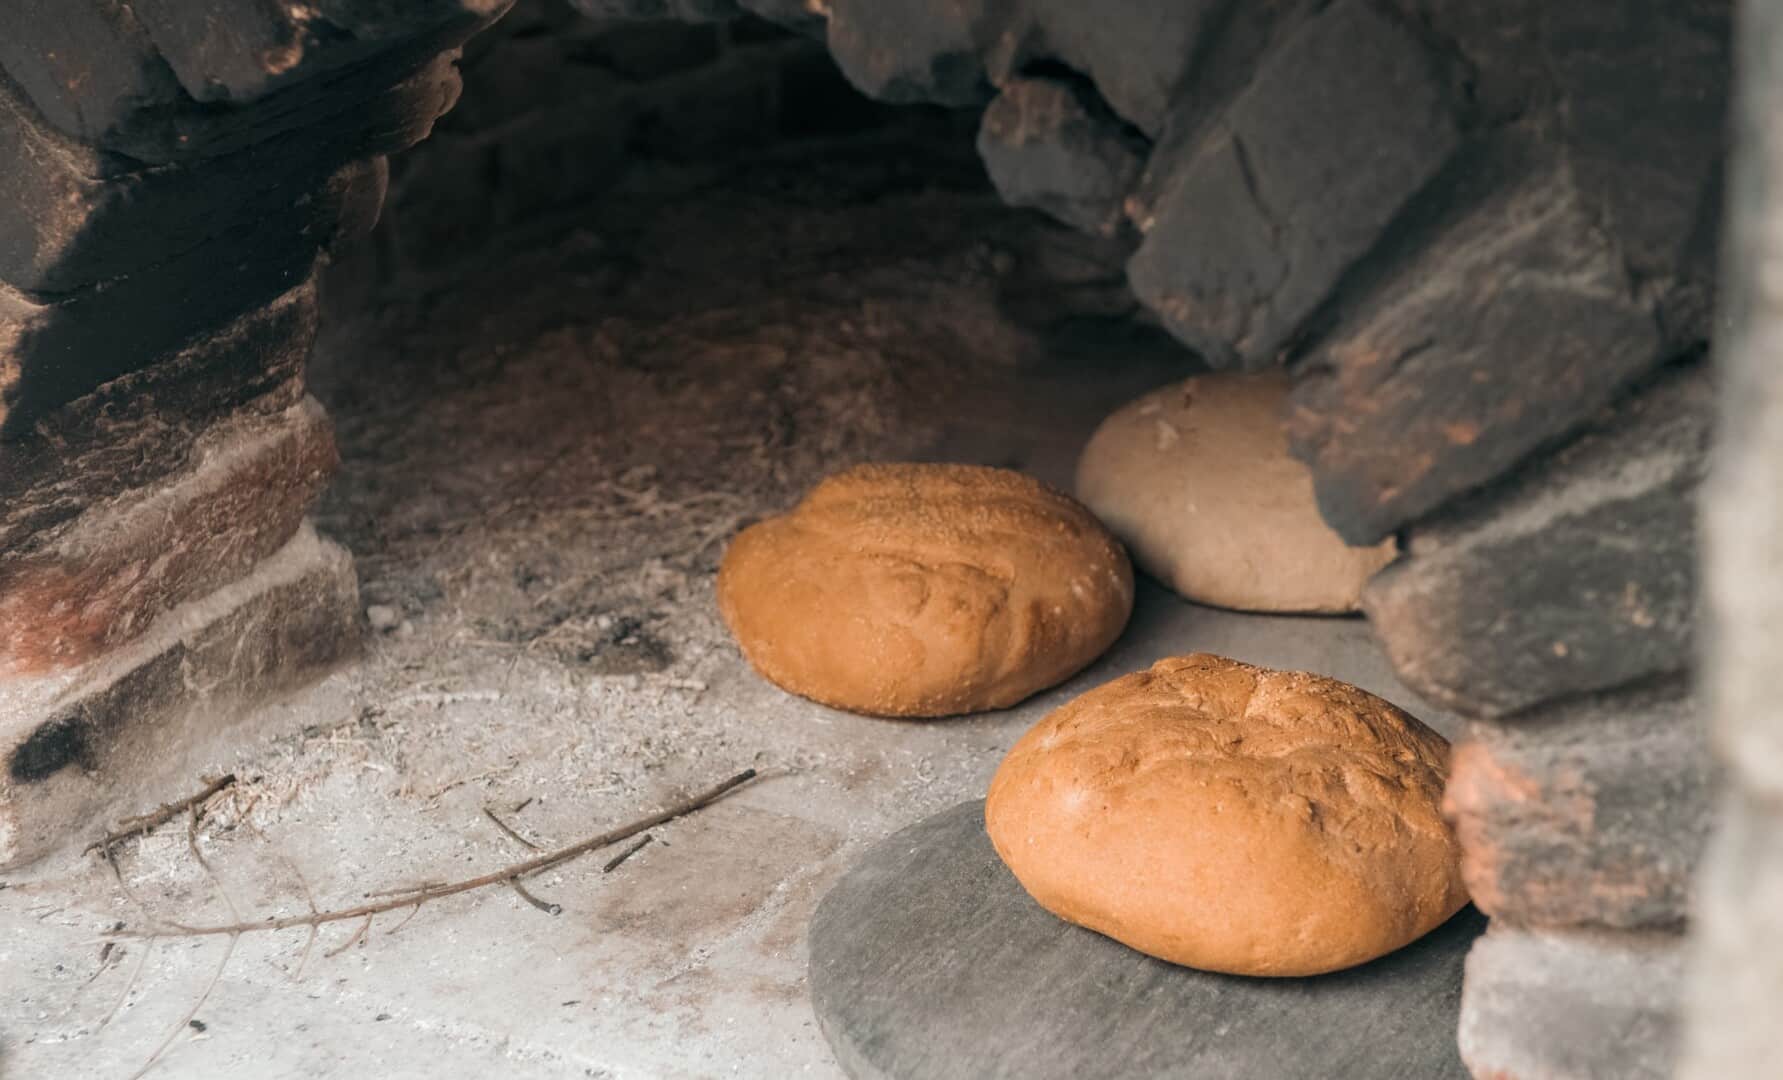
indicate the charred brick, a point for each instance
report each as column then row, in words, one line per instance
column 1594, row 812
column 1256, row 226
column 1576, row 574
column 1046, row 147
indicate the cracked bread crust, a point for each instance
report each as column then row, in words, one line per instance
column 1232, row 818
column 925, row 590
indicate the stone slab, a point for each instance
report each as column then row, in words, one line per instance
column 112, row 731
column 928, row 960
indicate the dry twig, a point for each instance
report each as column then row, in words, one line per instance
column 497, row 877
column 509, row 829
column 543, row 905
column 160, row 815
column 613, row 863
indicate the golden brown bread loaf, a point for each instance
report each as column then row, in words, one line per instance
column 1196, row 479
column 925, row 590
column 1232, row 818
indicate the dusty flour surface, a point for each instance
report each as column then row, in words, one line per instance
column 543, row 461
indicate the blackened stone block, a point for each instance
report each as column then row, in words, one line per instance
column 1576, row 574
column 73, row 592
column 141, row 427
column 1137, row 52
column 57, row 346
column 1046, row 147
column 74, row 224
column 1571, row 1005
column 907, row 51
column 88, row 67
column 147, row 79
column 125, row 728
column 1655, row 183
column 1594, row 812
column 1344, row 124
column 1509, row 330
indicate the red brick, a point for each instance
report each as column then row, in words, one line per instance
column 134, row 728
column 92, row 583
column 1591, row 813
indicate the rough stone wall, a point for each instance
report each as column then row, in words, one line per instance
column 177, row 170
column 560, row 108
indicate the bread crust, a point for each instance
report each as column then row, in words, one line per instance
column 921, row 590
column 1232, row 818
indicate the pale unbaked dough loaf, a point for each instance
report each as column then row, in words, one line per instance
column 925, row 590
column 1232, row 818
column 1197, row 479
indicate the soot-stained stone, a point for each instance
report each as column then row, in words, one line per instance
column 143, row 426
column 1459, row 368
column 1343, row 125
column 1576, row 574
column 1135, row 51
column 1542, row 1005
column 1656, row 183
column 908, row 51
column 61, row 349
column 1046, row 147
column 120, row 729
column 147, row 79
column 74, row 224
column 1591, row 812
column 70, row 593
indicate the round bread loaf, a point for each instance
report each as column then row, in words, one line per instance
column 1232, row 818
column 925, row 590
column 1197, row 479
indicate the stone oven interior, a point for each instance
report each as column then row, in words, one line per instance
column 381, row 383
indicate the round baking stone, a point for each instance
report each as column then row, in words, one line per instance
column 929, row 961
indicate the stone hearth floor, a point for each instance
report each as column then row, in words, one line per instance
column 542, row 462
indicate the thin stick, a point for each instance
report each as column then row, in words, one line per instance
column 405, row 920
column 544, row 906
column 129, row 984
column 509, row 829
column 358, row 935
column 613, row 863
column 406, row 890
column 159, row 815
column 215, row 976
column 520, row 869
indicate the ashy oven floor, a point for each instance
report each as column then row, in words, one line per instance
column 542, row 462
